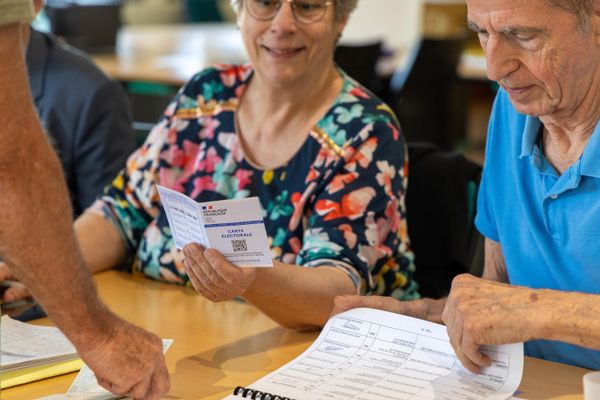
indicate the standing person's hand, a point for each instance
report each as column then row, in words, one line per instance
column 481, row 312
column 213, row 276
column 127, row 360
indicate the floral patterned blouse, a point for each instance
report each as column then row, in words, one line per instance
column 339, row 201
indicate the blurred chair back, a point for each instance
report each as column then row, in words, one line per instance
column 202, row 11
column 396, row 24
column 360, row 63
column 441, row 203
column 89, row 27
column 427, row 98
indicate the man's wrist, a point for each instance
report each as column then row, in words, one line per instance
column 14, row 11
column 546, row 316
column 92, row 329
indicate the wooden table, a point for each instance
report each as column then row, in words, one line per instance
column 219, row 346
column 171, row 54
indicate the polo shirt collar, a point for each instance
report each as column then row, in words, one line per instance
column 590, row 159
column 529, row 138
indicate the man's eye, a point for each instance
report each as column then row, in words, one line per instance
column 521, row 36
column 524, row 37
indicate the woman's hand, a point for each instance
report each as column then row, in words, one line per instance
column 427, row 309
column 213, row 276
column 14, row 290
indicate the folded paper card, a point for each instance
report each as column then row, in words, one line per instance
column 233, row 227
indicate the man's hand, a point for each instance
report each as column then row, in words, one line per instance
column 128, row 361
column 481, row 312
column 213, row 276
column 17, row 290
column 427, row 309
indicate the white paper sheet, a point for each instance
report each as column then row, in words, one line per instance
column 367, row 354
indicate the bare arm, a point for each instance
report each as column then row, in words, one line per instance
column 101, row 244
column 36, row 239
column 429, row 309
column 481, row 312
column 297, row 297
column 554, row 315
column 494, row 268
column 38, row 244
column 294, row 296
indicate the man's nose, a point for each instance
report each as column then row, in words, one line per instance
column 500, row 58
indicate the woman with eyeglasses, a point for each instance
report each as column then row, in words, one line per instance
column 323, row 154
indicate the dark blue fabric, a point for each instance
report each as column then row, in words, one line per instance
column 85, row 114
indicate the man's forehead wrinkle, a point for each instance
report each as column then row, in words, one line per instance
column 496, row 15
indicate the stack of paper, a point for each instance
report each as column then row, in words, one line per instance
column 29, row 352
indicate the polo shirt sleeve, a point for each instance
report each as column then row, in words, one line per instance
column 485, row 220
column 12, row 11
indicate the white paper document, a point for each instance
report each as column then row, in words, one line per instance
column 367, row 354
column 233, row 227
column 85, row 386
column 25, row 345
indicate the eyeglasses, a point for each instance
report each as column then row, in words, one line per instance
column 305, row 11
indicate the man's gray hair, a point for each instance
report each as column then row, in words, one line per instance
column 582, row 9
column 343, row 8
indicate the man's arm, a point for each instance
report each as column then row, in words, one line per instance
column 494, row 268
column 482, row 312
column 38, row 244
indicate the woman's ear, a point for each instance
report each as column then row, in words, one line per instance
column 342, row 24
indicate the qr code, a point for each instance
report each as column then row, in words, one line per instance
column 239, row 245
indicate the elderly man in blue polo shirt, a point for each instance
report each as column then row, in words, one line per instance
column 539, row 202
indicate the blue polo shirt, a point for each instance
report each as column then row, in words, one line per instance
column 548, row 224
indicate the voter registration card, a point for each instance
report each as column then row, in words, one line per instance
column 233, row 227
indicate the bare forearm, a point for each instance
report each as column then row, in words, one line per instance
column 297, row 297
column 100, row 242
column 36, row 237
column 495, row 267
column 570, row 317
